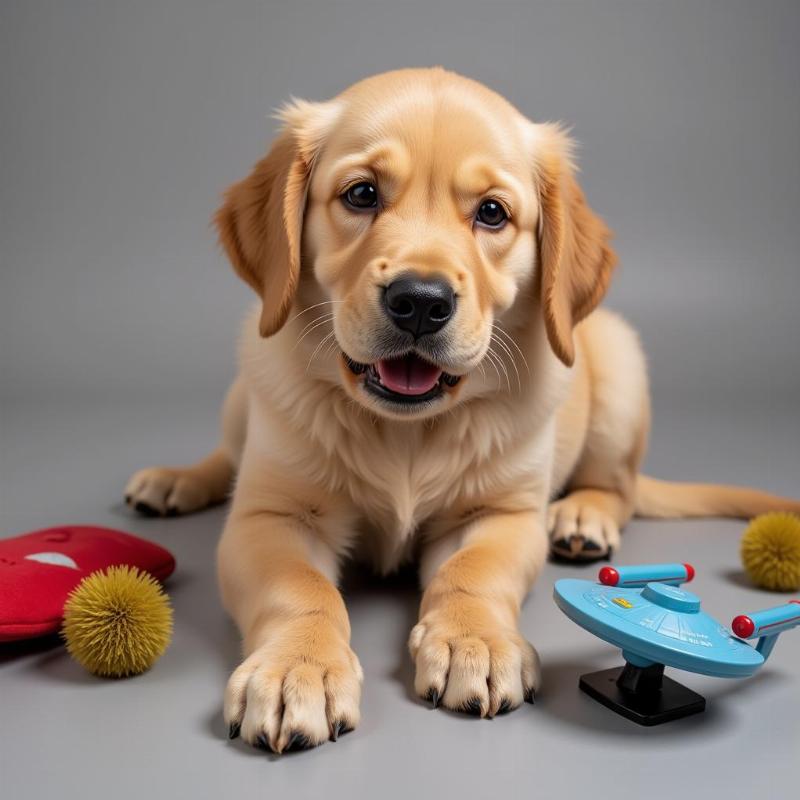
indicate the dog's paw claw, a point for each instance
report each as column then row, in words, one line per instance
column 590, row 546
column 433, row 697
column 504, row 707
column 530, row 697
column 473, row 707
column 339, row 728
column 146, row 510
column 298, row 741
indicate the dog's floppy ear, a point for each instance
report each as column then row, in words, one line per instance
column 260, row 222
column 575, row 255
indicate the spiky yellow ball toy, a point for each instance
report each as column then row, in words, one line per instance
column 117, row 622
column 770, row 551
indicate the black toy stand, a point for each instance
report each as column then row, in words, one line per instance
column 642, row 694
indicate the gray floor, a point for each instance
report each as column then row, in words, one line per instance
column 66, row 734
column 123, row 122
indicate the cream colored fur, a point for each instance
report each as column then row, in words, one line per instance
column 553, row 403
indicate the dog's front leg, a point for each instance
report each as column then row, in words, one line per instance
column 468, row 651
column 300, row 682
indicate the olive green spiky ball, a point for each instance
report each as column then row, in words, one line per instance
column 770, row 551
column 117, row 622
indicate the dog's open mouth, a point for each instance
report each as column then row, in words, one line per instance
column 407, row 379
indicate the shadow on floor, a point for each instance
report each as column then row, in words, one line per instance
column 563, row 700
column 12, row 651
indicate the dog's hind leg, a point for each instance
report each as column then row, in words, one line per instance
column 169, row 491
column 585, row 524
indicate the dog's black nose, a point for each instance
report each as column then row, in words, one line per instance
column 419, row 305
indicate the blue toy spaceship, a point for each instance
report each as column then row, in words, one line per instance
column 642, row 610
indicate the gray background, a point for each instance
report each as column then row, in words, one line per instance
column 121, row 125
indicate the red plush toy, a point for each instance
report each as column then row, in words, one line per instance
column 38, row 571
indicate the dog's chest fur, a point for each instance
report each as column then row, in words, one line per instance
column 417, row 472
column 398, row 476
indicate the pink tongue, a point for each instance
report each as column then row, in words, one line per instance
column 408, row 375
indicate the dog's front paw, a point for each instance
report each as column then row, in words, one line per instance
column 300, row 688
column 467, row 661
column 581, row 532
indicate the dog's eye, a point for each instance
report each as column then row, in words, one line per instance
column 491, row 214
column 361, row 195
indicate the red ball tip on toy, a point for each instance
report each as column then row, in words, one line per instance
column 689, row 572
column 743, row 626
column 608, row 576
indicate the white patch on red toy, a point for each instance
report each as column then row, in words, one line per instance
column 58, row 559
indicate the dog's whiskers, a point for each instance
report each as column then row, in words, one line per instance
column 502, row 364
column 492, row 358
column 332, row 347
column 325, row 315
column 495, row 359
column 316, row 305
column 512, row 341
column 315, row 323
column 507, row 350
column 325, row 339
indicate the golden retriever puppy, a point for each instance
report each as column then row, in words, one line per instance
column 422, row 377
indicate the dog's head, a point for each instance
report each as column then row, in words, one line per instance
column 417, row 209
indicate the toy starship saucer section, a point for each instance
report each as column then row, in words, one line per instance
column 641, row 609
column 658, row 623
